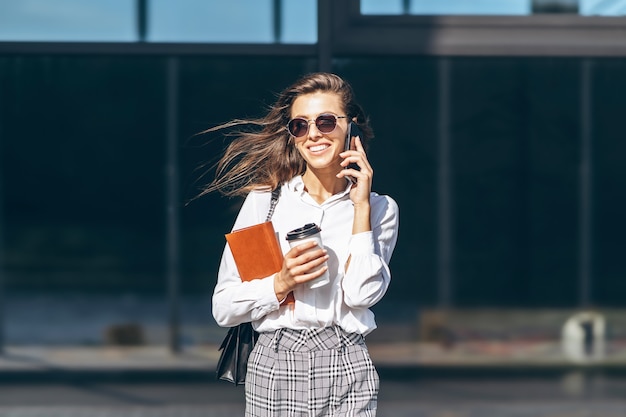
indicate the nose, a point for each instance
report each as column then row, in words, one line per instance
column 313, row 130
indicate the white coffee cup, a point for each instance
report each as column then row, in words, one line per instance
column 306, row 233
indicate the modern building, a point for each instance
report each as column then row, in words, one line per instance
column 499, row 131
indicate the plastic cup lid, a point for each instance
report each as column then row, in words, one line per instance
column 307, row 230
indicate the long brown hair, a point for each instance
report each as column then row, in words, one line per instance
column 266, row 157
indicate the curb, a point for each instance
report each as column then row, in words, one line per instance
column 394, row 372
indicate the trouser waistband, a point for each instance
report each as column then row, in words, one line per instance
column 307, row 340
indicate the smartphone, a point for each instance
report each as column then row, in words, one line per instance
column 353, row 130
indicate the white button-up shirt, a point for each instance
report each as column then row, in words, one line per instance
column 346, row 301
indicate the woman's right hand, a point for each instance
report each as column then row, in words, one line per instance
column 299, row 266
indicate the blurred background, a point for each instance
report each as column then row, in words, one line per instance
column 499, row 132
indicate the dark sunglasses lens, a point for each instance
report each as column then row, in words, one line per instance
column 298, row 127
column 326, row 123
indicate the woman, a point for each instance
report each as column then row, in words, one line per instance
column 311, row 357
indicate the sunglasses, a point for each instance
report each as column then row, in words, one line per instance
column 325, row 123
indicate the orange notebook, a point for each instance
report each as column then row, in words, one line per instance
column 257, row 252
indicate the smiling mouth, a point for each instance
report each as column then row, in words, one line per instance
column 318, row 148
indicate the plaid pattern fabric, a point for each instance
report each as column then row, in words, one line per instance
column 312, row 373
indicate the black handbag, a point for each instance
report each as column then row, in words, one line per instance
column 236, row 348
column 240, row 340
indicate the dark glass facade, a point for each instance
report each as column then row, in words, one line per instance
column 83, row 155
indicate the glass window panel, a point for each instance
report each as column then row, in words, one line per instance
column 608, row 200
column 603, row 7
column 299, row 23
column 475, row 7
column 405, row 127
column 249, row 21
column 67, row 20
column 494, row 7
column 97, row 226
column 382, row 7
column 447, row 7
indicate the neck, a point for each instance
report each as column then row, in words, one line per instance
column 322, row 187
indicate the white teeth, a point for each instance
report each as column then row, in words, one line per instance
column 318, row 148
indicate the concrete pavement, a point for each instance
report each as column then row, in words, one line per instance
column 393, row 361
column 59, row 337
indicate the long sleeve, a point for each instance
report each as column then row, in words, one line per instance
column 367, row 277
column 234, row 301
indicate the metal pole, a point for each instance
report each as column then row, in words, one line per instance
column 2, row 233
column 278, row 20
column 586, row 185
column 142, row 20
column 172, row 209
column 406, row 6
column 444, row 189
column 324, row 35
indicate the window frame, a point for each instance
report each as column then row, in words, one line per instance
column 343, row 31
column 533, row 35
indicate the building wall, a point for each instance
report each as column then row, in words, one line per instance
column 83, row 154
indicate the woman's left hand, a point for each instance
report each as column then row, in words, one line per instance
column 360, row 191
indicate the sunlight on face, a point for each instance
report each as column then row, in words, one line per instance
column 321, row 150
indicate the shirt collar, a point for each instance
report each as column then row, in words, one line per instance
column 296, row 185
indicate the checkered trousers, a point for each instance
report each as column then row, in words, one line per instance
column 312, row 373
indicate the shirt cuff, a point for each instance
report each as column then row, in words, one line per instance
column 268, row 301
column 362, row 243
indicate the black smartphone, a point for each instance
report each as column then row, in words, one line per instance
column 353, row 130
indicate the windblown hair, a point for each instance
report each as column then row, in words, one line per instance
column 266, row 157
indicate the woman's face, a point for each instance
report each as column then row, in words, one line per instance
column 320, row 150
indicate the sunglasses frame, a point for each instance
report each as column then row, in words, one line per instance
column 308, row 124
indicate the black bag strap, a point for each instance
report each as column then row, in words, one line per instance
column 275, row 195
